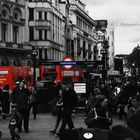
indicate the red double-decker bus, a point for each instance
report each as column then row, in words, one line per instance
column 58, row 73
column 10, row 74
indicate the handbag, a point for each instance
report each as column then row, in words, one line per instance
column 55, row 110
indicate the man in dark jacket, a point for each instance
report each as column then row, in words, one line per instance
column 99, row 117
column 70, row 101
column 20, row 97
column 5, row 101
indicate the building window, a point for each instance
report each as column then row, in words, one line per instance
column 40, row 15
column 16, row 62
column 45, row 16
column 79, row 22
column 46, row 55
column 84, row 49
column 45, row 34
column 40, row 34
column 29, row 63
column 31, row 33
column 4, row 13
column 16, row 15
column 31, row 14
column 5, row 61
column 15, row 34
column 40, row 53
column 4, row 32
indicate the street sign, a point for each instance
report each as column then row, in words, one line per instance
column 67, row 63
column 80, row 87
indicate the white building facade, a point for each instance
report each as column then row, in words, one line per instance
column 46, row 29
column 13, row 49
column 84, row 40
column 55, row 28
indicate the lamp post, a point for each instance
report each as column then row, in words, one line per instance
column 133, row 71
column 138, row 62
column 103, row 51
column 34, row 54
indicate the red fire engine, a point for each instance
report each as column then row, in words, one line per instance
column 10, row 74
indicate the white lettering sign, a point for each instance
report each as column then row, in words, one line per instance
column 3, row 72
column 80, row 87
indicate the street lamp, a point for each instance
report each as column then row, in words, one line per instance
column 103, row 51
column 34, row 54
column 133, row 70
column 138, row 62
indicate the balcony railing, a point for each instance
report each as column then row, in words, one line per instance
column 42, row 24
column 15, row 46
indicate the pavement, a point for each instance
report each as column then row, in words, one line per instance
column 39, row 128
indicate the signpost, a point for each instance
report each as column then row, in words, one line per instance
column 80, row 87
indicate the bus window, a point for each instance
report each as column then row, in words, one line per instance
column 67, row 80
column 50, row 76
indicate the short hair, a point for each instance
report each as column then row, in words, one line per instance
column 120, row 132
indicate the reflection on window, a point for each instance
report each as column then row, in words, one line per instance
column 40, row 15
column 4, row 32
column 15, row 34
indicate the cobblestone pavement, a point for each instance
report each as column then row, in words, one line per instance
column 39, row 128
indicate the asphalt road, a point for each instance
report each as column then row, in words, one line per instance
column 39, row 128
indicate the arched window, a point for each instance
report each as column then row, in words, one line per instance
column 17, row 14
column 16, row 62
column 5, row 61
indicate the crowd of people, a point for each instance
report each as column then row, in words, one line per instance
column 104, row 99
column 16, row 105
column 120, row 98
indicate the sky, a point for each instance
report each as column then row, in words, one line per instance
column 123, row 16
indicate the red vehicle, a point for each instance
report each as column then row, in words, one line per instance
column 10, row 74
column 58, row 73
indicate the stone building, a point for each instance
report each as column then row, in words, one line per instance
column 14, row 46
column 81, row 36
column 46, row 29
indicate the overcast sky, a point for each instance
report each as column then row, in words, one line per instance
column 124, row 15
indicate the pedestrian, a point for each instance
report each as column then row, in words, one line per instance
column 5, row 101
column 121, row 112
column 20, row 97
column 15, row 119
column 70, row 101
column 133, row 122
column 0, row 101
column 120, row 132
column 99, row 116
column 0, row 109
column 33, row 104
column 59, row 113
column 90, row 103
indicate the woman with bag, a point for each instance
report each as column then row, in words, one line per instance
column 33, row 101
column 58, row 111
